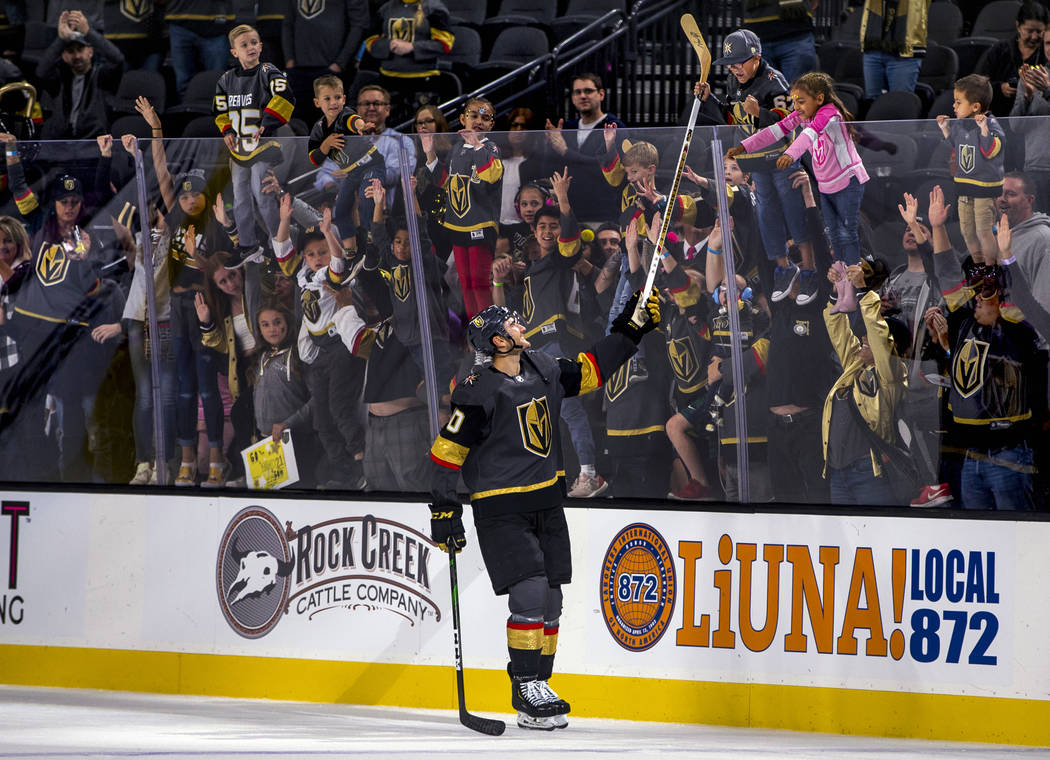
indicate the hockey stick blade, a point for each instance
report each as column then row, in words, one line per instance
column 692, row 31
column 482, row 725
column 487, row 726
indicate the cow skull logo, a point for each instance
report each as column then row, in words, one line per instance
column 252, row 572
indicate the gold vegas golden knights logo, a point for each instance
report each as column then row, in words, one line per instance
column 136, row 10
column 458, row 191
column 311, row 301
column 534, row 419
column 52, row 265
column 967, row 157
column 968, row 370
column 311, row 8
column 402, row 282
column 402, row 29
column 683, row 359
column 528, row 305
column 617, row 383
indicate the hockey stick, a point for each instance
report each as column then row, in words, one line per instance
column 692, row 32
column 473, row 722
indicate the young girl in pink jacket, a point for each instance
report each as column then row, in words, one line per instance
column 839, row 172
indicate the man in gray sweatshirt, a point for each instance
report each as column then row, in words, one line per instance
column 1031, row 233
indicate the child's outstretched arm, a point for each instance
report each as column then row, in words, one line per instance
column 766, row 137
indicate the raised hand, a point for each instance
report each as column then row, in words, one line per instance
column 910, row 210
column 286, row 206
column 105, row 145
column 560, row 184
column 129, row 142
column 219, row 209
column 938, row 213
column 145, row 108
column 203, row 312
column 609, row 133
column 736, row 150
column 751, row 107
column 1004, row 237
column 326, row 220
column 702, row 90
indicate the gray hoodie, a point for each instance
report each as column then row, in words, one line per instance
column 1036, row 146
column 1031, row 248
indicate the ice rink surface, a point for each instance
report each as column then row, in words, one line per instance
column 61, row 723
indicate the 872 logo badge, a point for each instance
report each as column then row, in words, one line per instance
column 638, row 587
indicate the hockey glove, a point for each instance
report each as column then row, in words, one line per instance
column 634, row 322
column 446, row 527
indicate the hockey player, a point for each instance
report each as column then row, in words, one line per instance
column 502, row 435
column 252, row 101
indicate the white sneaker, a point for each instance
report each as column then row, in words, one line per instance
column 587, row 487
column 144, row 475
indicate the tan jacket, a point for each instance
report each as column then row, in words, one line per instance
column 877, row 405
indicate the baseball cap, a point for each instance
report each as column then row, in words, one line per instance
column 75, row 41
column 67, row 185
column 740, row 46
column 190, row 182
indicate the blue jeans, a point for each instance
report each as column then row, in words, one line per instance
column 142, row 421
column 887, row 72
column 792, row 56
column 575, row 417
column 247, row 196
column 188, row 47
column 841, row 210
column 778, row 202
column 197, row 371
column 856, row 484
column 999, row 480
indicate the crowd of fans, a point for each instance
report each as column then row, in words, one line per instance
column 871, row 376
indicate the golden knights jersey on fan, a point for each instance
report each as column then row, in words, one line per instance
column 772, row 91
column 473, row 182
column 388, row 280
column 248, row 101
column 354, row 153
column 637, row 403
column 421, row 22
column 550, row 291
column 503, row 432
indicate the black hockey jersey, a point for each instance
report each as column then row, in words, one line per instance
column 421, row 22
column 503, row 432
column 772, row 91
column 550, row 292
column 637, row 405
column 60, row 286
column 250, row 101
column 473, row 183
column 391, row 373
column 354, row 153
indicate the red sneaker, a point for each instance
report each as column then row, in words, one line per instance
column 694, row 490
column 932, row 496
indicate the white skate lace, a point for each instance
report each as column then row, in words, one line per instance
column 538, row 693
column 549, row 695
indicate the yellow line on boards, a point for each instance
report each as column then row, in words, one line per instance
column 768, row 706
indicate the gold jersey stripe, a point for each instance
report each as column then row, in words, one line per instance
column 635, row 431
column 515, row 489
column 449, row 451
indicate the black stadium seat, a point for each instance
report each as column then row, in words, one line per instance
column 516, row 46
column 131, row 125
column 969, row 50
column 139, row 82
column 945, row 23
column 525, row 12
column 465, row 12
column 199, row 93
column 997, row 19
column 895, row 106
column 466, row 50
